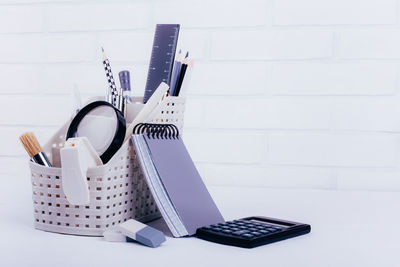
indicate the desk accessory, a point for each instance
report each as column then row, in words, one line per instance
column 121, row 104
column 132, row 230
column 113, row 235
column 77, row 156
column 162, row 57
column 118, row 191
column 34, row 149
column 164, row 203
column 104, row 126
column 181, row 76
column 178, row 76
column 176, row 185
column 188, row 76
column 151, row 104
column 142, row 233
column 175, row 72
column 124, row 79
column 252, row 232
column 112, row 92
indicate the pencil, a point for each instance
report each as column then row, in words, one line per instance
column 175, row 72
column 187, row 78
column 181, row 76
column 112, row 92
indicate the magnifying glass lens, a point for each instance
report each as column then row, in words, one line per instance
column 103, row 125
column 99, row 126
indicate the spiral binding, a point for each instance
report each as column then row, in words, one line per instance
column 159, row 131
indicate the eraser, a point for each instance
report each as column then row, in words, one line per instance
column 114, row 235
column 142, row 233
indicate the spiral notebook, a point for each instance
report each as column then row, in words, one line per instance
column 173, row 179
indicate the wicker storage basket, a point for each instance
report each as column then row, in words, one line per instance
column 118, row 191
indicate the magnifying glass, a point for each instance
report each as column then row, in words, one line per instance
column 103, row 125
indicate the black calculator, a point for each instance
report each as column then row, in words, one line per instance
column 252, row 232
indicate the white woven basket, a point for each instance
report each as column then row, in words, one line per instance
column 118, row 191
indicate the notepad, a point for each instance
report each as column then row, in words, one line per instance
column 173, row 179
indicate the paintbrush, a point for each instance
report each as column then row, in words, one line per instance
column 34, row 149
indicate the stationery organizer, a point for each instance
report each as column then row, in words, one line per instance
column 118, row 191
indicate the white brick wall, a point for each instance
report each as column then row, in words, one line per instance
column 285, row 93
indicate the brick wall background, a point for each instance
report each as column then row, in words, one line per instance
column 285, row 93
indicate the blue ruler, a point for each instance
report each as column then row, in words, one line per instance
column 162, row 57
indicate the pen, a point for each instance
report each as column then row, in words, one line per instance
column 124, row 79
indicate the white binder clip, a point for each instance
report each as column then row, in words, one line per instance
column 77, row 157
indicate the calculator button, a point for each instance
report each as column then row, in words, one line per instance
column 264, row 232
column 227, row 231
column 253, row 229
column 235, row 229
column 248, row 235
column 216, row 229
column 255, row 233
column 276, row 227
column 240, row 232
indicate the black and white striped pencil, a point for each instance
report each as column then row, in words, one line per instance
column 112, row 93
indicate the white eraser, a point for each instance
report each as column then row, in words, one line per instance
column 113, row 235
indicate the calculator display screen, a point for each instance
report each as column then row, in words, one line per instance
column 277, row 223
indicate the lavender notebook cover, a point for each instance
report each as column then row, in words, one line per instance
column 183, row 183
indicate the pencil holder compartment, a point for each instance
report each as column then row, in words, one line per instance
column 118, row 191
column 170, row 110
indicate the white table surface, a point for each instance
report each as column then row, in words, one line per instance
column 348, row 229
